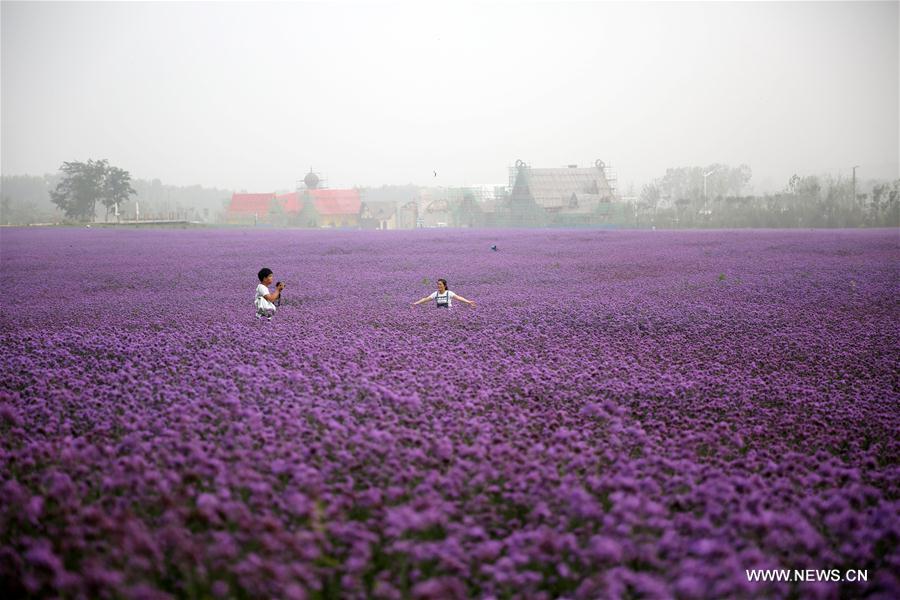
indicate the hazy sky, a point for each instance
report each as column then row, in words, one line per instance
column 249, row 96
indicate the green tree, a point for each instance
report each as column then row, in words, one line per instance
column 466, row 212
column 806, row 196
column 5, row 206
column 116, row 188
column 649, row 202
column 80, row 188
column 885, row 204
column 277, row 214
column 696, row 189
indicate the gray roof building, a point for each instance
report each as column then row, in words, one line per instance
column 570, row 189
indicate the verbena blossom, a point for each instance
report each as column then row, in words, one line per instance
column 624, row 413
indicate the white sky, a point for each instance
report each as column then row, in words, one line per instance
column 249, row 96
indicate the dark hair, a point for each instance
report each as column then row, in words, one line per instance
column 446, row 287
column 263, row 273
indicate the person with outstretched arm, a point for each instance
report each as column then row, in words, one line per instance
column 443, row 297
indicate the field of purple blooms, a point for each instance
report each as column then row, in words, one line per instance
column 624, row 414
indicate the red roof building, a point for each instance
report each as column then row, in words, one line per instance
column 336, row 202
column 251, row 204
column 310, row 208
column 291, row 203
column 333, row 208
column 247, row 209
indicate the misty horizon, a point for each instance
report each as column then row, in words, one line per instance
column 250, row 97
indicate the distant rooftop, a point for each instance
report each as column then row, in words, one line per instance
column 554, row 188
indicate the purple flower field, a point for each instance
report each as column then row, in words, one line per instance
column 624, row 414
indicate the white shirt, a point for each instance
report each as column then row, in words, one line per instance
column 260, row 301
column 448, row 296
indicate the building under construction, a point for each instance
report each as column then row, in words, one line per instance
column 569, row 196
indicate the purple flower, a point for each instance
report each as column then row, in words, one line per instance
column 632, row 425
column 605, row 549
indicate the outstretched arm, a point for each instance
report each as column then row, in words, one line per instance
column 425, row 299
column 461, row 299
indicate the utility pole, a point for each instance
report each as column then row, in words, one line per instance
column 855, row 167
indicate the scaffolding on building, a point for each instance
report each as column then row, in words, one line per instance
column 514, row 172
column 610, row 174
column 311, row 181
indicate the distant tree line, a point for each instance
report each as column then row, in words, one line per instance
column 677, row 200
column 28, row 199
column 687, row 197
